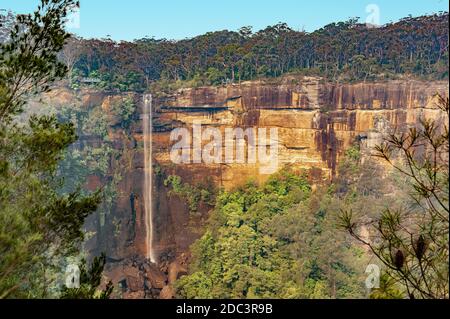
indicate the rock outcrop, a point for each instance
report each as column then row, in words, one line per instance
column 316, row 122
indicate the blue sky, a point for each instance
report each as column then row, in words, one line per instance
column 178, row 19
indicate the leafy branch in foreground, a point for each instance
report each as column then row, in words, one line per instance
column 90, row 279
column 413, row 242
column 39, row 226
column 29, row 62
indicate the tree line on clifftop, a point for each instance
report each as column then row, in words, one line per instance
column 345, row 51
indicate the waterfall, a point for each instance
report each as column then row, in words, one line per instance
column 148, row 174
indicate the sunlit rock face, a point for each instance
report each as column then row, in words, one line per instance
column 316, row 122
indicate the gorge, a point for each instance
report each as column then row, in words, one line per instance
column 317, row 121
column 236, row 164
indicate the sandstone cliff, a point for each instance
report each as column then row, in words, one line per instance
column 316, row 122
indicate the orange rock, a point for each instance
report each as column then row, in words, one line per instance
column 167, row 293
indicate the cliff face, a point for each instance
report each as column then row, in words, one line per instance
column 316, row 122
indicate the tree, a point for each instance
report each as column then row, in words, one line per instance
column 417, row 46
column 413, row 242
column 70, row 55
column 6, row 23
column 273, row 241
column 39, row 225
column 229, row 57
column 29, row 59
column 90, row 279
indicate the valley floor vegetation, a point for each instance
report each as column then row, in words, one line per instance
column 285, row 240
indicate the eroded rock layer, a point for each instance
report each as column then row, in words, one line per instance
column 316, row 122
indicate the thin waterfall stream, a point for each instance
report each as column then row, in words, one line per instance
column 148, row 174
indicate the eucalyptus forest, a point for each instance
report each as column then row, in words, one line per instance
column 362, row 116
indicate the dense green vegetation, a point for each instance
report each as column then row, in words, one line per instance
column 339, row 51
column 193, row 194
column 90, row 279
column 343, row 51
column 284, row 240
column 280, row 240
column 40, row 226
